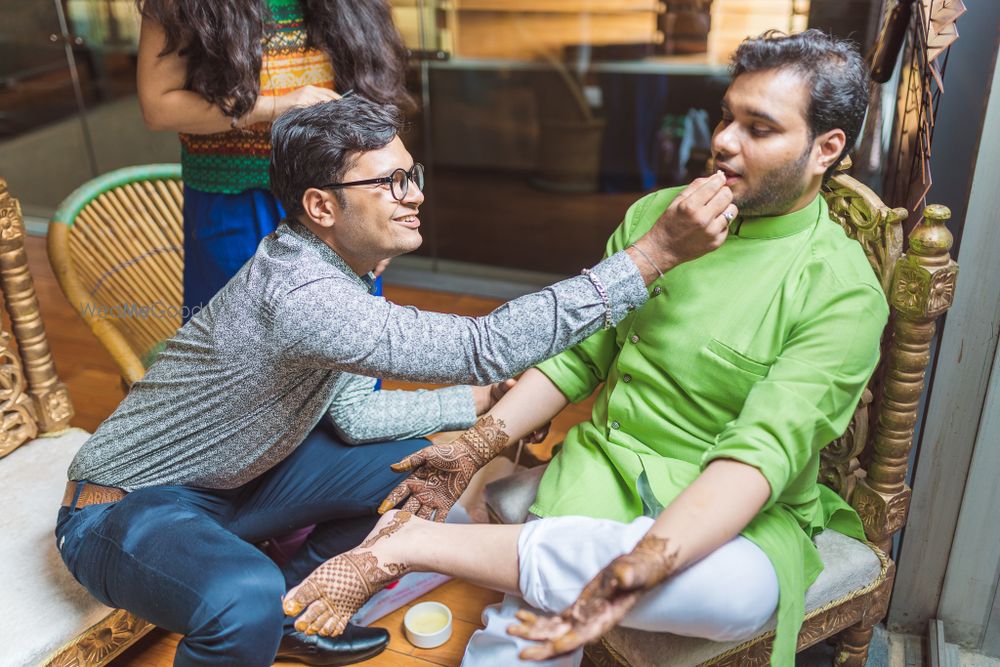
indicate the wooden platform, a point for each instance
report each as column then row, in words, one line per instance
column 95, row 388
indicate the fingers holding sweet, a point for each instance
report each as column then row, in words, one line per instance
column 693, row 187
column 682, row 232
column 718, row 202
column 706, row 189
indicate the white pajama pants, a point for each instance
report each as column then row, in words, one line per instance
column 728, row 595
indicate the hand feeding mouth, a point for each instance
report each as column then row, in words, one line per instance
column 727, row 171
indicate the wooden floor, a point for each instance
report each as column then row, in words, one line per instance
column 94, row 385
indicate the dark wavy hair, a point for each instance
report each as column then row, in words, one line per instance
column 222, row 43
column 833, row 69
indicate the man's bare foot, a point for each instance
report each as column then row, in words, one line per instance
column 336, row 589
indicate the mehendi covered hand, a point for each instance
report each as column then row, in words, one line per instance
column 441, row 472
column 603, row 602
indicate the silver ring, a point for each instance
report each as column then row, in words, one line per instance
column 728, row 215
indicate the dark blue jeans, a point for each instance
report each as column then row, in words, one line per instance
column 184, row 558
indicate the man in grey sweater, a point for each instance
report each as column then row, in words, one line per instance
column 259, row 415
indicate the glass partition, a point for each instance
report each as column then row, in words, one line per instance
column 543, row 120
column 68, row 109
column 540, row 121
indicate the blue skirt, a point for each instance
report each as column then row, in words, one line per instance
column 222, row 232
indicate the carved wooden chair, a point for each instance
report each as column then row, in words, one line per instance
column 47, row 618
column 116, row 247
column 867, row 466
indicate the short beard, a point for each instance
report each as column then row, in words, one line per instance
column 779, row 189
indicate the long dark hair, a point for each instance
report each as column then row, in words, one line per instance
column 221, row 41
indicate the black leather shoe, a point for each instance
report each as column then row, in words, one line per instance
column 353, row 645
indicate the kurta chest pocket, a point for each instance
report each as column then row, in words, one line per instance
column 737, row 359
column 725, row 376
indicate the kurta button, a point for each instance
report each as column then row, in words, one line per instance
column 634, row 338
column 657, row 291
column 615, row 425
column 626, row 378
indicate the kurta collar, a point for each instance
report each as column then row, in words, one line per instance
column 327, row 253
column 777, row 226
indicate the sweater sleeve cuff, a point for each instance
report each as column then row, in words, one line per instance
column 458, row 409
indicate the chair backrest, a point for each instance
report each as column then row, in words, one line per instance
column 868, row 464
column 32, row 399
column 116, row 244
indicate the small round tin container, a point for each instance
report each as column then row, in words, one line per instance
column 427, row 624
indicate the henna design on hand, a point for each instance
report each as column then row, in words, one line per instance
column 441, row 472
column 650, row 562
column 603, row 602
column 485, row 439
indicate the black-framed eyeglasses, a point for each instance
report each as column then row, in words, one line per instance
column 399, row 181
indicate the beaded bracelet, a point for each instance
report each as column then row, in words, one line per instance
column 596, row 282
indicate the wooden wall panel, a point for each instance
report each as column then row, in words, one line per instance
column 481, row 34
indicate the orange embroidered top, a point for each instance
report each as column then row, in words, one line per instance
column 237, row 160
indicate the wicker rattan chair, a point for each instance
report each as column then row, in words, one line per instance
column 867, row 465
column 116, row 247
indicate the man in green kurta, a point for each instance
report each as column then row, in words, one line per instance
column 715, row 400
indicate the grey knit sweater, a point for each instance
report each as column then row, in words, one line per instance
column 296, row 336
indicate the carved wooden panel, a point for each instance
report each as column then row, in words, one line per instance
column 51, row 407
column 922, row 288
column 864, row 217
column 840, row 466
column 102, row 642
column 16, row 409
column 878, row 228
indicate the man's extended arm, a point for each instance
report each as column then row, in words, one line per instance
column 368, row 336
column 361, row 415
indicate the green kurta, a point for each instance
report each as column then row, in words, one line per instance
column 757, row 352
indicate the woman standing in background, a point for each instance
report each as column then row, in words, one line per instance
column 219, row 73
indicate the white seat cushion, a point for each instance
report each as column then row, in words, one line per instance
column 849, row 565
column 43, row 606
